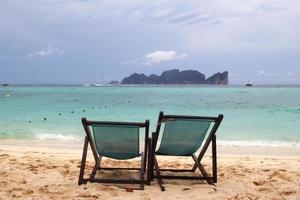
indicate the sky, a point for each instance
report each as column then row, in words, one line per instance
column 96, row 41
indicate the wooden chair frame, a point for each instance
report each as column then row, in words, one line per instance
column 89, row 140
column 211, row 138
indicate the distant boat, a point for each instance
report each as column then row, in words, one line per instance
column 84, row 84
column 249, row 85
column 5, row 84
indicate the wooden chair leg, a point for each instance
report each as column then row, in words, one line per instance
column 194, row 167
column 96, row 167
column 142, row 171
column 143, row 167
column 199, row 158
column 201, row 168
column 83, row 160
column 214, row 158
column 152, row 161
column 160, row 181
column 149, row 166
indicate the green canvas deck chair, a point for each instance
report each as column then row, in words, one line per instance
column 117, row 140
column 178, row 135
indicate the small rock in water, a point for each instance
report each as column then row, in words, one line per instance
column 44, row 118
column 59, row 114
column 29, row 121
column 72, row 111
column 92, row 107
column 83, row 110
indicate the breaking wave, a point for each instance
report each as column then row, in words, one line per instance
column 258, row 143
column 60, row 137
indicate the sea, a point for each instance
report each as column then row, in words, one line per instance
column 267, row 116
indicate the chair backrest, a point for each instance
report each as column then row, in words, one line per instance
column 183, row 135
column 118, row 140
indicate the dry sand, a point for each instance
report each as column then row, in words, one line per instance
column 44, row 172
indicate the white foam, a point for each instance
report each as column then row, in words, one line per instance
column 258, row 143
column 60, row 137
column 237, row 143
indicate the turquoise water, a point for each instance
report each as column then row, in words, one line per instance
column 268, row 116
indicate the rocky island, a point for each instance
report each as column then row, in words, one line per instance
column 176, row 76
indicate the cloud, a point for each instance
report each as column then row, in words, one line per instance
column 134, row 61
column 156, row 57
column 203, row 11
column 183, row 17
column 290, row 73
column 45, row 52
column 196, row 24
column 263, row 73
column 232, row 75
column 260, row 72
column 242, row 33
column 159, row 56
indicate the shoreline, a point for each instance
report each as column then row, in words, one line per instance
column 19, row 145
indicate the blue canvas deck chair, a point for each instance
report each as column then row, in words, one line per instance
column 178, row 135
column 117, row 140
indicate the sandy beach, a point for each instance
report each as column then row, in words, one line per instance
column 49, row 170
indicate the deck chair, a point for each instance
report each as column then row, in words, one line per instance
column 184, row 136
column 117, row 140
